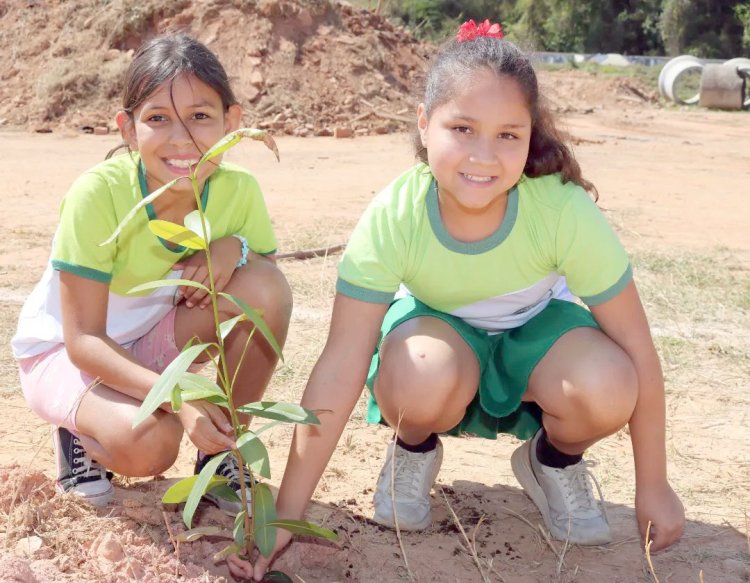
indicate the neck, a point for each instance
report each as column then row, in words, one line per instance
column 470, row 225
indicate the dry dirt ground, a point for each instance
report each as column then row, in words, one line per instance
column 675, row 185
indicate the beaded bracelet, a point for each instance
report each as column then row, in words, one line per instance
column 245, row 250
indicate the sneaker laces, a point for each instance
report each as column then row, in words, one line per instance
column 575, row 483
column 409, row 470
column 83, row 468
column 229, row 469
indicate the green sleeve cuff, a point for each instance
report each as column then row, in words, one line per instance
column 608, row 294
column 85, row 272
column 360, row 293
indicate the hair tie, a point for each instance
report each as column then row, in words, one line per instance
column 469, row 30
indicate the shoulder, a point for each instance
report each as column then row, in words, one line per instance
column 105, row 180
column 405, row 196
column 550, row 191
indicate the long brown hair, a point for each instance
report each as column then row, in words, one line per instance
column 456, row 61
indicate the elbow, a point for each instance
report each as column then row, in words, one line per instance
column 78, row 347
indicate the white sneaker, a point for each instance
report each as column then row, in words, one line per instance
column 77, row 472
column 229, row 502
column 563, row 496
column 414, row 475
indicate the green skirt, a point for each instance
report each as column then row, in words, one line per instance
column 506, row 361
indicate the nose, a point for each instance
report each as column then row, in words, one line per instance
column 483, row 151
column 180, row 135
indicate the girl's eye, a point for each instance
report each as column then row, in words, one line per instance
column 157, row 118
column 462, row 129
column 507, row 136
column 200, row 115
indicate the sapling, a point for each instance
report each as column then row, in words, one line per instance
column 177, row 385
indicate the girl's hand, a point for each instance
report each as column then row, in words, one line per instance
column 663, row 508
column 206, row 426
column 240, row 568
column 225, row 253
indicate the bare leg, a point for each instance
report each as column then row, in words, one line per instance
column 587, row 388
column 428, row 374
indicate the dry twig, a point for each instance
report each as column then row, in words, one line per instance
column 174, row 541
column 393, row 499
column 312, row 253
column 472, row 548
column 647, row 548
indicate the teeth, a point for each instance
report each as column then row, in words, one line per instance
column 477, row 178
column 182, row 163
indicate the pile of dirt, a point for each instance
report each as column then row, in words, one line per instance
column 298, row 67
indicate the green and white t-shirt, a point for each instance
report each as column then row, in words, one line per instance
column 91, row 210
column 552, row 241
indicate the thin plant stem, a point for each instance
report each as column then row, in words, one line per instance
column 223, row 374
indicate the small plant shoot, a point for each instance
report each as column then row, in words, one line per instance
column 177, row 385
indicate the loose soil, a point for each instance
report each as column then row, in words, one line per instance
column 672, row 181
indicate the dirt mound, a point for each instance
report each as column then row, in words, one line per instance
column 298, row 67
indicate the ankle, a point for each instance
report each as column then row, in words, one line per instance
column 425, row 446
column 548, row 455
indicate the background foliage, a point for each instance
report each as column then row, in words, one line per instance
column 704, row 28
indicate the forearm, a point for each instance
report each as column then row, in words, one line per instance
column 102, row 357
column 648, row 425
column 313, row 445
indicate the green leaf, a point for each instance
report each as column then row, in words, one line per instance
column 233, row 138
column 176, row 234
column 134, row 211
column 226, row 327
column 233, row 549
column 176, row 398
column 280, row 411
column 264, row 511
column 201, row 486
column 195, row 386
column 179, row 492
column 195, row 533
column 161, row 390
column 304, row 528
column 259, row 322
column 254, row 453
column 239, row 528
column 193, row 222
column 166, row 283
column 224, row 491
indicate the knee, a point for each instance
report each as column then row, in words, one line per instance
column 421, row 378
column 262, row 285
column 607, row 395
column 152, row 449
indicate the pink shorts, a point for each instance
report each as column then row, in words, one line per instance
column 53, row 387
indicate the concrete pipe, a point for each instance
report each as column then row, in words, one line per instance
column 721, row 87
column 742, row 65
column 671, row 73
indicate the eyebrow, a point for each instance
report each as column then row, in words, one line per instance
column 199, row 105
column 470, row 119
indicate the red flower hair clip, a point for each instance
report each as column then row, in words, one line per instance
column 469, row 30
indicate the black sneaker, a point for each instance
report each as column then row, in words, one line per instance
column 229, row 469
column 77, row 472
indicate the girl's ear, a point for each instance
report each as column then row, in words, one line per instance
column 127, row 129
column 422, row 124
column 232, row 118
